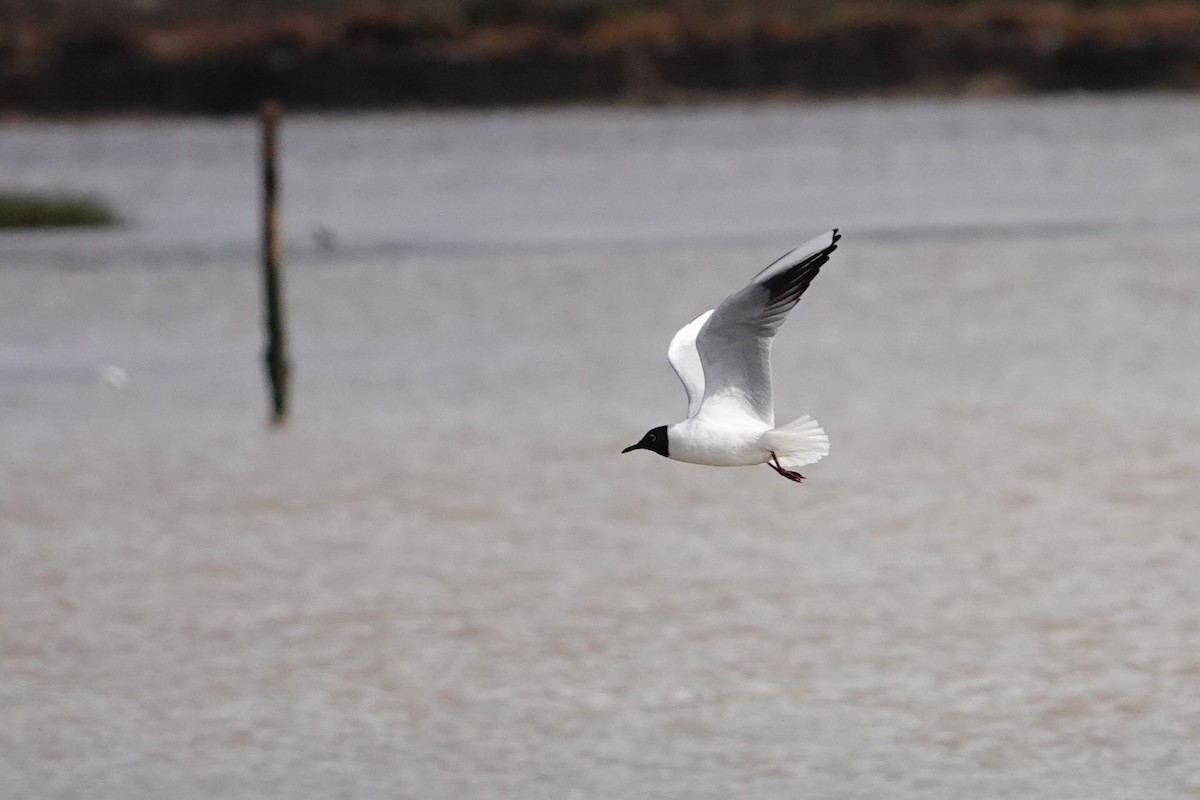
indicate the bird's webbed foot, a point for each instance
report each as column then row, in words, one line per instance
column 791, row 475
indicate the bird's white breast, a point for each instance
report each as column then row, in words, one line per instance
column 698, row 441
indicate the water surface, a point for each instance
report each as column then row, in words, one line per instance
column 443, row 581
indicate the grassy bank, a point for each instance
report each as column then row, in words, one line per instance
column 26, row 210
column 326, row 55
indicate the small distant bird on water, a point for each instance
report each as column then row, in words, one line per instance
column 723, row 359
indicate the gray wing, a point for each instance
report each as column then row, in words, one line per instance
column 735, row 344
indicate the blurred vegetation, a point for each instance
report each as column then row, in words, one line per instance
column 226, row 56
column 503, row 11
column 30, row 210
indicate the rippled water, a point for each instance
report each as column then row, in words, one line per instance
column 442, row 581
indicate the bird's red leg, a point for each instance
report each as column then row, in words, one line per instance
column 787, row 473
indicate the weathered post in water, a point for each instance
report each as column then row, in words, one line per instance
column 276, row 353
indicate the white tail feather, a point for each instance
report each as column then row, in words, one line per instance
column 798, row 443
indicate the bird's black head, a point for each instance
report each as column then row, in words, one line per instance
column 655, row 439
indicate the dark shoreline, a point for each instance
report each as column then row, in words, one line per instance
column 389, row 62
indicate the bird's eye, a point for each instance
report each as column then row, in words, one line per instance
column 650, row 437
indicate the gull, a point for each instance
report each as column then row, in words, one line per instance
column 723, row 359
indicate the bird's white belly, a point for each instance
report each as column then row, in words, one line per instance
column 717, row 445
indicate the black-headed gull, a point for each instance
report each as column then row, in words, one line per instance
column 723, row 359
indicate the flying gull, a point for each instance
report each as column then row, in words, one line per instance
column 723, row 359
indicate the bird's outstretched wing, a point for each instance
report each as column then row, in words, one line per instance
column 734, row 344
column 685, row 360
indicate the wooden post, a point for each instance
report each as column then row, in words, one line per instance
column 272, row 258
